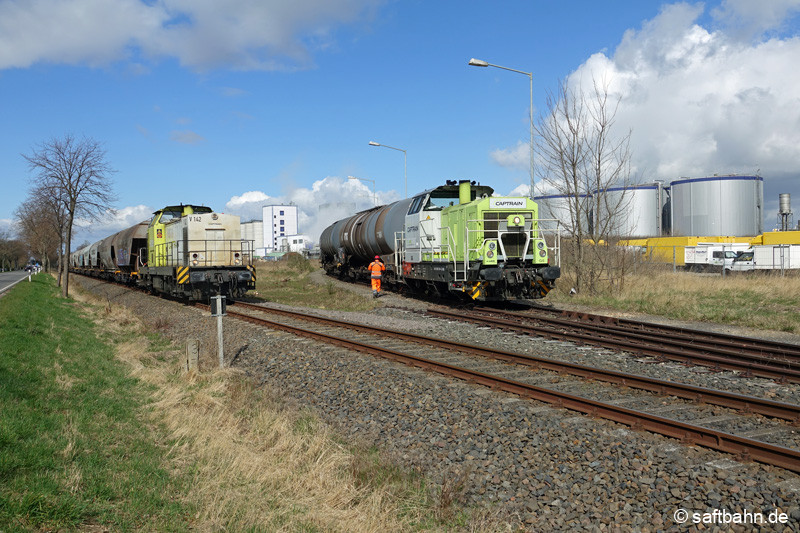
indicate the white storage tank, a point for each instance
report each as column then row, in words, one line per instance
column 555, row 211
column 630, row 211
column 253, row 231
column 719, row 205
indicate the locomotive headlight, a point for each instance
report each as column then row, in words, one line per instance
column 540, row 245
column 490, row 252
column 194, row 262
column 542, row 253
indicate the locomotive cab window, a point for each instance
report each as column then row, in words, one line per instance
column 166, row 216
column 439, row 201
column 416, row 205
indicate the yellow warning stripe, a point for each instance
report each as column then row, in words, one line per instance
column 252, row 271
column 183, row 275
column 545, row 288
column 475, row 292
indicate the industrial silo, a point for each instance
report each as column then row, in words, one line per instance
column 556, row 211
column 632, row 211
column 719, row 205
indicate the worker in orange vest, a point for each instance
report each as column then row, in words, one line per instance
column 376, row 268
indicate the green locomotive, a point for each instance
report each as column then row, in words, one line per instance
column 455, row 239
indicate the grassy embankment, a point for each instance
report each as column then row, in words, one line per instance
column 100, row 428
column 759, row 301
column 76, row 444
column 288, row 281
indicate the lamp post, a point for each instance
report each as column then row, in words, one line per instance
column 374, row 196
column 405, row 164
column 479, row 63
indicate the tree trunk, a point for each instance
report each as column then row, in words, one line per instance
column 65, row 286
column 60, row 260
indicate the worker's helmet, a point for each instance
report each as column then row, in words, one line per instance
column 377, row 257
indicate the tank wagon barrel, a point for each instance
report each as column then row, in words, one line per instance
column 367, row 233
column 455, row 238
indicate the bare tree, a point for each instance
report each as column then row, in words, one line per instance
column 75, row 173
column 581, row 158
column 55, row 212
column 12, row 252
column 41, row 221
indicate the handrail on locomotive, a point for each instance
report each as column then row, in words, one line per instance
column 192, row 254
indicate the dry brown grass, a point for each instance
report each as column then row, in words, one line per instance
column 254, row 468
column 256, row 464
column 756, row 300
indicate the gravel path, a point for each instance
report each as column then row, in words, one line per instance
column 549, row 468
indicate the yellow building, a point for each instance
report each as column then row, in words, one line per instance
column 671, row 249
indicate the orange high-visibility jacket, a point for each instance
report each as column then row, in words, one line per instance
column 376, row 267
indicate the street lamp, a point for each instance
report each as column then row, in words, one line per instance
column 374, row 196
column 405, row 164
column 479, row 63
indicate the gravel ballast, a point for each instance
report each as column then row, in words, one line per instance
column 548, row 468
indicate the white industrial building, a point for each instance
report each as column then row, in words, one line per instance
column 254, row 231
column 276, row 232
column 279, row 221
column 299, row 244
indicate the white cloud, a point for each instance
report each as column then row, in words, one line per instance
column 518, row 157
column 94, row 32
column 201, row 34
column 111, row 222
column 701, row 102
column 520, row 190
column 328, row 200
column 7, row 228
column 248, row 205
column 748, row 19
column 186, row 137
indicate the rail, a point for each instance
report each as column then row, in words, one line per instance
column 743, row 447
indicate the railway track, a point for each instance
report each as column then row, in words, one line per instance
column 749, row 357
column 508, row 374
column 764, row 346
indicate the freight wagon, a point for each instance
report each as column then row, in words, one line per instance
column 186, row 251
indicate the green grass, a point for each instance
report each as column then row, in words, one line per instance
column 289, row 282
column 77, row 447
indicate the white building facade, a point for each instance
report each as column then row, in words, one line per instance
column 254, row 231
column 299, row 244
column 279, row 221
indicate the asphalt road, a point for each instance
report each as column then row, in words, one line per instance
column 9, row 279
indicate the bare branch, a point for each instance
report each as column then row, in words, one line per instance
column 580, row 158
column 74, row 176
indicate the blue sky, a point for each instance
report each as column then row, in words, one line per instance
column 236, row 104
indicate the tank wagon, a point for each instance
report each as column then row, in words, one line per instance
column 455, row 239
column 186, row 251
